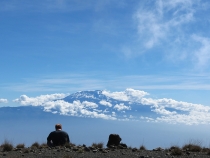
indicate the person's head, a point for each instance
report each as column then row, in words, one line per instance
column 58, row 127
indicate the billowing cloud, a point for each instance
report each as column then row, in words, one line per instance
column 89, row 104
column 127, row 95
column 180, row 112
column 126, row 103
column 52, row 103
column 121, row 107
column 105, row 103
column 3, row 100
column 75, row 109
column 37, row 101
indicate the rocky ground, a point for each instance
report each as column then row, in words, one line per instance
column 95, row 152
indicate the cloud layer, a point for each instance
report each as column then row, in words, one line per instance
column 122, row 105
column 40, row 100
column 3, row 100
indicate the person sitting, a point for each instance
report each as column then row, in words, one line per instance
column 57, row 137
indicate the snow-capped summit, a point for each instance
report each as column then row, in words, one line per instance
column 86, row 95
column 124, row 105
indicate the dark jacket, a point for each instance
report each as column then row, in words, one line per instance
column 57, row 138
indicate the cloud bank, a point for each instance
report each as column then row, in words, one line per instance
column 3, row 100
column 161, row 110
column 40, row 100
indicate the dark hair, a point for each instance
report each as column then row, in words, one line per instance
column 58, row 126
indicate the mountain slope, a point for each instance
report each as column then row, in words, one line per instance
column 124, row 105
column 115, row 107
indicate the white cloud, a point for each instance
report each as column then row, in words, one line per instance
column 75, row 109
column 131, row 116
column 127, row 95
column 163, row 19
column 193, row 117
column 106, row 111
column 89, row 104
column 162, row 110
column 173, row 104
column 114, row 114
column 174, row 28
column 38, row 101
column 3, row 100
column 202, row 55
column 181, row 112
column 148, row 119
column 105, row 103
column 121, row 107
column 51, row 103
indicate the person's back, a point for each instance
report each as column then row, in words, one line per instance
column 58, row 137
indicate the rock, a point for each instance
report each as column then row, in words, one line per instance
column 92, row 148
column 94, row 151
column 17, row 149
column 158, row 149
column 168, row 154
column 134, row 149
column 188, row 153
column 112, row 147
column 75, row 149
column 104, row 151
column 114, row 139
column 86, row 149
column 123, row 145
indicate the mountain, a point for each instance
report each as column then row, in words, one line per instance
column 83, row 104
column 90, row 116
column 99, row 104
column 78, row 114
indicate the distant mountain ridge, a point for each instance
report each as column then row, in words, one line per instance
column 89, row 115
column 94, row 104
column 124, row 105
column 117, row 106
column 84, row 95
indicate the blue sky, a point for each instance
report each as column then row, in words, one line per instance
column 159, row 47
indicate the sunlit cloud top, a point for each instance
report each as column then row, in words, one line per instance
column 122, row 105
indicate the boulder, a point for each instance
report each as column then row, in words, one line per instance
column 114, row 140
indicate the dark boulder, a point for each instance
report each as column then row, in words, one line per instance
column 114, row 140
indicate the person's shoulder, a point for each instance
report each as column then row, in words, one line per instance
column 52, row 132
column 65, row 132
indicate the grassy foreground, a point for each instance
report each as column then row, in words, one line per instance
column 196, row 146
